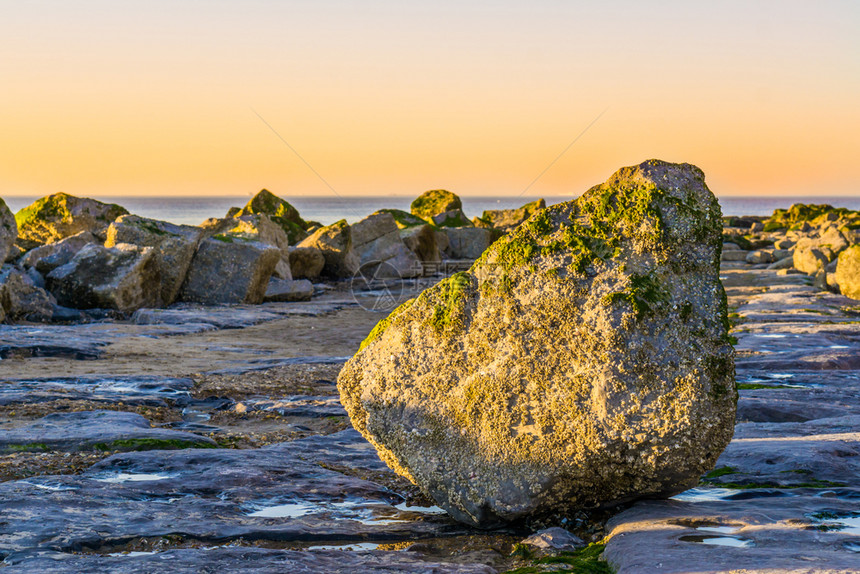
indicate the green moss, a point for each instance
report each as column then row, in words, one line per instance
column 434, row 202
column 753, row 485
column 584, row 561
column 722, row 471
column 643, row 294
column 459, row 219
column 404, row 219
column 149, row 444
column 738, row 240
column 756, row 386
column 380, row 327
column 452, row 292
column 222, row 237
column 279, row 210
column 815, row 214
column 29, row 447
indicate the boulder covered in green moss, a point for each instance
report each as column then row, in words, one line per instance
column 335, row 243
column 173, row 247
column 279, row 210
column 62, row 215
column 583, row 360
column 435, row 202
column 848, row 272
column 403, row 219
column 803, row 216
column 507, row 219
column 8, row 231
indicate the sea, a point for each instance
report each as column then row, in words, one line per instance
column 328, row 209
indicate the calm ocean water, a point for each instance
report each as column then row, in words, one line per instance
column 326, row 210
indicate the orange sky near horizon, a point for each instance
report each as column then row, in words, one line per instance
column 393, row 98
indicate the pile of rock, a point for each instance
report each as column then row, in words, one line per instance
column 818, row 240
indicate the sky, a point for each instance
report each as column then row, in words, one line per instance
column 379, row 97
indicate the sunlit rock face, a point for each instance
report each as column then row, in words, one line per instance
column 582, row 361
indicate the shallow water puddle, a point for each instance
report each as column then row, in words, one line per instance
column 843, row 522
column 352, row 546
column 719, row 529
column 134, row 477
column 731, row 541
column 372, row 513
column 51, row 487
column 704, row 494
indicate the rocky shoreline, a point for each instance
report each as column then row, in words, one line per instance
column 172, row 421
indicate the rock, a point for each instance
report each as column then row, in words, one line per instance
column 8, row 231
column 124, row 277
column 95, row 430
column 582, row 361
column 335, row 243
column 173, row 248
column 281, row 213
column 468, row 242
column 508, row 219
column 555, row 539
column 758, row 256
column 48, row 257
column 228, row 269
column 306, row 262
column 453, row 218
column 442, row 241
column 778, row 254
column 809, row 260
column 847, row 274
column 833, row 239
column 62, row 215
column 232, row 212
column 756, row 227
column 729, row 246
column 733, row 255
column 376, row 240
column 21, row 298
column 421, row 240
column 784, row 263
column 404, row 219
column 783, row 244
column 288, row 290
column 434, row 202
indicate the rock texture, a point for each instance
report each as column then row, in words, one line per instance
column 60, row 215
column 435, row 202
column 335, row 243
column 306, row 262
column 582, row 361
column 508, row 219
column 280, row 212
column 848, row 272
column 8, row 231
column 173, row 248
column 229, row 269
column 21, row 298
column 376, row 240
column 124, row 277
column 468, row 242
column 48, row 257
column 288, row 290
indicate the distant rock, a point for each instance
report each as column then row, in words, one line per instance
column 61, row 215
column 280, row 211
column 453, row 218
column 404, row 219
column 583, row 360
column 848, row 272
column 306, row 262
column 421, row 240
column 507, row 219
column 124, row 277
column 435, row 202
column 376, row 240
column 173, row 248
column 257, row 227
column 229, row 269
column 468, row 242
column 284, row 290
column 8, row 231
column 335, row 243
column 48, row 257
column 809, row 260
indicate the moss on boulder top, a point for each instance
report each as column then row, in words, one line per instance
column 814, row 214
column 62, row 215
column 279, row 211
column 403, row 219
column 583, row 360
column 435, row 202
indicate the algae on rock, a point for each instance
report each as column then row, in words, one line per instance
column 582, row 361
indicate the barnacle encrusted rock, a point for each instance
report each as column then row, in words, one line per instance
column 582, row 361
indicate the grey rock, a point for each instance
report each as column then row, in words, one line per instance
column 21, row 298
column 555, row 538
column 733, row 255
column 421, row 240
column 124, row 277
column 783, row 244
column 759, row 256
column 48, row 257
column 132, row 390
column 468, row 242
column 95, row 430
column 517, row 388
column 784, row 263
column 173, row 248
column 508, row 219
column 62, row 215
column 335, row 243
column 289, row 290
column 376, row 240
column 453, row 218
column 8, row 231
column 229, row 269
column 306, row 262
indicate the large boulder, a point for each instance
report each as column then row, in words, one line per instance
column 124, row 277
column 229, row 269
column 847, row 275
column 435, row 202
column 453, row 218
column 376, row 240
column 507, row 219
column 46, row 258
column 306, row 262
column 468, row 242
column 173, row 247
column 809, row 260
column 61, row 215
column 8, row 231
column 283, row 290
column 261, row 228
column 21, row 298
column 404, row 219
column 280, row 211
column 584, row 360
column 421, row 240
column 335, row 243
